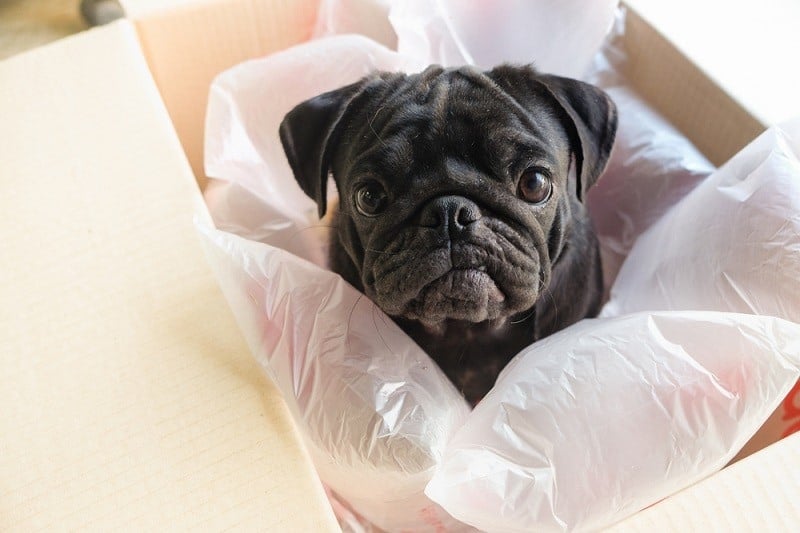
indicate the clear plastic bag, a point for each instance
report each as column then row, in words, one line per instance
column 558, row 36
column 733, row 244
column 612, row 415
column 375, row 411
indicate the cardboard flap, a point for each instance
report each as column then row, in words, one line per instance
column 747, row 49
column 759, row 493
column 129, row 397
column 186, row 46
column 716, row 123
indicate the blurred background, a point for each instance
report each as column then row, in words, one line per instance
column 25, row 24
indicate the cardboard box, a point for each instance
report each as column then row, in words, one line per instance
column 129, row 398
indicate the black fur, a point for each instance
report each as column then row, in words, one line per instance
column 466, row 266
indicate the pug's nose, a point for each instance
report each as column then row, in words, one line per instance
column 450, row 213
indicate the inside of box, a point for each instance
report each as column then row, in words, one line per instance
column 185, row 51
column 679, row 90
column 674, row 86
column 256, row 120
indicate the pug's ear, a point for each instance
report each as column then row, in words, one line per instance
column 593, row 118
column 590, row 117
column 309, row 134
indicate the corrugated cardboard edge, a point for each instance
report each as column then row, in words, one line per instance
column 129, row 398
column 717, row 124
column 759, row 493
column 187, row 45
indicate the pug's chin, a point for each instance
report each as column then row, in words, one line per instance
column 469, row 295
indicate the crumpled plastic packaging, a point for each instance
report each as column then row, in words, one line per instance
column 663, row 165
column 733, row 244
column 612, row 415
column 376, row 412
column 377, row 415
column 481, row 33
column 558, row 36
column 369, row 18
column 651, row 168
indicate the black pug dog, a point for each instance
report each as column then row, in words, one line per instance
column 461, row 208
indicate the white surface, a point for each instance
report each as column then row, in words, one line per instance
column 129, row 399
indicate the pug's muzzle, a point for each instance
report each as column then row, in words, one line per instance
column 453, row 262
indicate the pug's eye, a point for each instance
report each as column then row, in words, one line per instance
column 371, row 199
column 534, row 186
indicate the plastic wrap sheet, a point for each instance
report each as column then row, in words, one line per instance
column 375, row 410
column 378, row 416
column 733, row 244
column 369, row 18
column 558, row 36
column 651, row 168
column 611, row 415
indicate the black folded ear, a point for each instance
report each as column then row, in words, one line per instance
column 590, row 117
column 594, row 125
column 309, row 134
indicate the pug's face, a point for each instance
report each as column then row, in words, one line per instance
column 456, row 187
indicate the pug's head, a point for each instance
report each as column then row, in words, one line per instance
column 457, row 188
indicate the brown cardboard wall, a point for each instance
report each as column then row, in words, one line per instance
column 712, row 120
column 187, row 46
